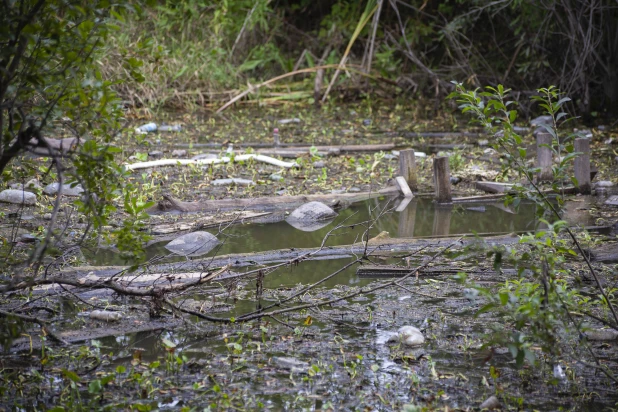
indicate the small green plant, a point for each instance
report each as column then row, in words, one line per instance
column 538, row 304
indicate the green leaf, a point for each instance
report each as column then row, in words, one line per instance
column 71, row 375
column 95, row 386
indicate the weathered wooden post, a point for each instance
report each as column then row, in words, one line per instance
column 407, row 219
column 582, row 165
column 442, row 180
column 442, row 220
column 407, row 168
column 544, row 156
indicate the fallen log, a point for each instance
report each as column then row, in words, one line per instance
column 382, row 271
column 266, row 204
column 377, row 247
column 83, row 335
column 332, row 150
column 238, row 260
column 606, row 253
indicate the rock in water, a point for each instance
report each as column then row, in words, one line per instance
column 311, row 216
column 312, row 211
column 67, row 190
column 18, row 197
column 409, row 336
column 193, row 244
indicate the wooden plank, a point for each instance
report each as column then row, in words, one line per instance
column 403, row 187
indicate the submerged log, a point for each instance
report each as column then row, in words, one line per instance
column 376, row 247
column 83, row 335
column 267, row 204
column 383, row 271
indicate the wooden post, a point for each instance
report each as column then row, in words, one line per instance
column 582, row 165
column 407, row 168
column 442, row 179
column 407, row 218
column 543, row 156
column 442, row 220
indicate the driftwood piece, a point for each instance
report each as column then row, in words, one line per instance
column 403, row 186
column 607, row 253
column 203, row 162
column 267, row 204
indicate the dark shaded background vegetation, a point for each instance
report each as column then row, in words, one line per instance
column 194, row 51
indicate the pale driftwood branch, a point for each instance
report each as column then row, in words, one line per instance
column 115, row 285
column 204, row 162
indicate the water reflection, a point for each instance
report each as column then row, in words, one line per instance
column 418, row 218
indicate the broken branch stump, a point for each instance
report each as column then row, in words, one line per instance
column 582, row 165
column 442, row 178
column 407, row 167
column 543, row 157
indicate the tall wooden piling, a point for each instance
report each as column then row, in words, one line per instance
column 544, row 156
column 582, row 165
column 407, row 168
column 442, row 180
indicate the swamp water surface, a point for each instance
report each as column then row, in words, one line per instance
column 446, row 314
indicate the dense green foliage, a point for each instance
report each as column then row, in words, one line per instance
column 539, row 305
column 199, row 48
column 51, row 87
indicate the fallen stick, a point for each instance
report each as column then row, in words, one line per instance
column 266, row 204
column 203, row 162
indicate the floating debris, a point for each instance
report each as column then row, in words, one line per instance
column 409, row 336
